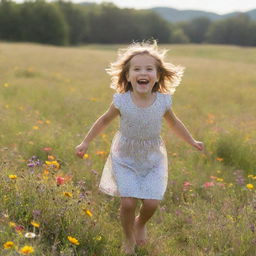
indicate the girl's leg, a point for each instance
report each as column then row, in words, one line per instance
column 147, row 210
column 127, row 215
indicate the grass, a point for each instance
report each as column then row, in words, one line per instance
column 49, row 98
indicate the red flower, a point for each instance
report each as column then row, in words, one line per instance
column 60, row 180
column 19, row 228
column 47, row 149
column 208, row 184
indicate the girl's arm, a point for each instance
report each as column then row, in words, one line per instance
column 180, row 130
column 99, row 125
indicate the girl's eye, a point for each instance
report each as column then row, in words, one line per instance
column 136, row 69
column 150, row 69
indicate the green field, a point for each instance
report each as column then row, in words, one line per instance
column 49, row 98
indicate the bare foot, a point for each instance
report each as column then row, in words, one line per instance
column 140, row 232
column 128, row 246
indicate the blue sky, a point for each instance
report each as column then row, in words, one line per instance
column 217, row 6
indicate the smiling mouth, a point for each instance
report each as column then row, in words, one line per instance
column 143, row 81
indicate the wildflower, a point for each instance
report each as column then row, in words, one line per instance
column 101, row 153
column 213, row 177
column 98, row 237
column 60, row 180
column 53, row 163
column 6, row 85
column 26, row 250
column 73, row 240
column 230, row 185
column 39, row 121
column 186, row 185
column 12, row 224
column 219, row 179
column 249, row 186
column 219, row 159
column 47, row 149
column 47, row 121
column 8, row 245
column 12, row 176
column 208, row 184
column 35, row 127
column 35, row 224
column 19, row 228
column 85, row 156
column 88, row 212
column 68, row 194
column 30, row 235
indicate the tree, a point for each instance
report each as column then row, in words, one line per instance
column 43, row 22
column 238, row 30
column 77, row 20
column 196, row 29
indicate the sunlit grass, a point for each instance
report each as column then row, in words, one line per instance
column 50, row 96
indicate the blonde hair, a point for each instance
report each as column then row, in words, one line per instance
column 169, row 74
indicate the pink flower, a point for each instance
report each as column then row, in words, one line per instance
column 60, row 180
column 208, row 184
column 19, row 228
column 186, row 185
column 47, row 149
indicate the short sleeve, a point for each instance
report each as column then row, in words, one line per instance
column 168, row 101
column 117, row 100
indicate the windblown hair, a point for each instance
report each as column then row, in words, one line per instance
column 169, row 74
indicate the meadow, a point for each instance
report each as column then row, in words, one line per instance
column 50, row 202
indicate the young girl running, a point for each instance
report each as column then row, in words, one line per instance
column 136, row 167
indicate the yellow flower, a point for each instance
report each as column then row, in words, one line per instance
column 35, row 224
column 73, row 240
column 6, row 85
column 53, row 163
column 85, row 156
column 26, row 250
column 250, row 176
column 249, row 186
column 230, row 185
column 12, row 224
column 35, row 127
column 47, row 121
column 88, row 212
column 98, row 238
column 8, row 245
column 219, row 179
column 68, row 194
column 12, row 176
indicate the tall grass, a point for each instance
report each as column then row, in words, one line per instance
column 49, row 97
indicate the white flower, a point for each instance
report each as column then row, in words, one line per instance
column 30, row 235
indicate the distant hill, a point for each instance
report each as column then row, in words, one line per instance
column 174, row 15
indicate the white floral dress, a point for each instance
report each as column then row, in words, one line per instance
column 137, row 164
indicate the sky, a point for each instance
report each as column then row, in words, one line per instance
column 217, row 6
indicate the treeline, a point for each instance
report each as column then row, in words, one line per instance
column 66, row 23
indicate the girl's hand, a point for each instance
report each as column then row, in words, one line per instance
column 81, row 149
column 198, row 145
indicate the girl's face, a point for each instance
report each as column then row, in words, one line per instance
column 142, row 73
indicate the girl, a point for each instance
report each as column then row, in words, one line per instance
column 136, row 167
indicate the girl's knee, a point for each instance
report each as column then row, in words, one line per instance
column 150, row 203
column 128, row 203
